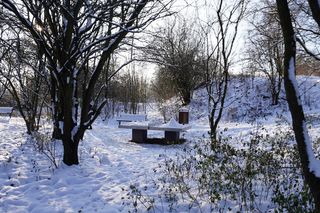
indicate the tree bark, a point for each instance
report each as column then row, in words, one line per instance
column 218, row 105
column 70, row 153
column 297, row 114
column 56, row 116
column 31, row 126
column 315, row 9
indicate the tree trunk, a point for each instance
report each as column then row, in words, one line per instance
column 315, row 9
column 275, row 96
column 31, row 124
column 70, row 153
column 56, row 134
column 186, row 98
column 69, row 110
column 213, row 118
column 56, row 115
column 69, row 139
column 30, row 127
column 213, row 126
column 298, row 120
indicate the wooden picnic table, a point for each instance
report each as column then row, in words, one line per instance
column 140, row 130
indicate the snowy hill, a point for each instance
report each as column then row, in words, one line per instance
column 249, row 99
column 110, row 165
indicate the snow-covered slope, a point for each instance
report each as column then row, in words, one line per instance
column 249, row 99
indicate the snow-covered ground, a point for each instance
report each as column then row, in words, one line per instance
column 110, row 164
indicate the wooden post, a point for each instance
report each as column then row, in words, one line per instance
column 183, row 116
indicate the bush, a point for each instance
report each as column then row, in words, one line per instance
column 259, row 174
column 47, row 146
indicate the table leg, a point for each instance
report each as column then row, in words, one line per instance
column 139, row 135
column 171, row 136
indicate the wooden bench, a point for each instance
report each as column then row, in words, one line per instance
column 171, row 130
column 131, row 118
column 6, row 111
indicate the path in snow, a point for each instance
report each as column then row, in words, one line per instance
column 109, row 163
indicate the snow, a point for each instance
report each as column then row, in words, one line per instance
column 65, row 24
column 184, row 109
column 74, row 108
column 314, row 164
column 75, row 73
column 74, row 131
column 135, row 125
column 292, row 78
column 110, row 164
column 172, row 124
column 61, row 126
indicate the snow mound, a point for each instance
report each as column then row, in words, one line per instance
column 173, row 124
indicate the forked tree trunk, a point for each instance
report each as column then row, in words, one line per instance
column 298, row 119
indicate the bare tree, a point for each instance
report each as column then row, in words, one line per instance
column 176, row 50
column 129, row 90
column 310, row 165
column 265, row 53
column 23, row 75
column 162, row 91
column 74, row 36
column 218, row 59
column 306, row 27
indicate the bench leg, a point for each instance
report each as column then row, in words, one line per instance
column 171, row 136
column 139, row 135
